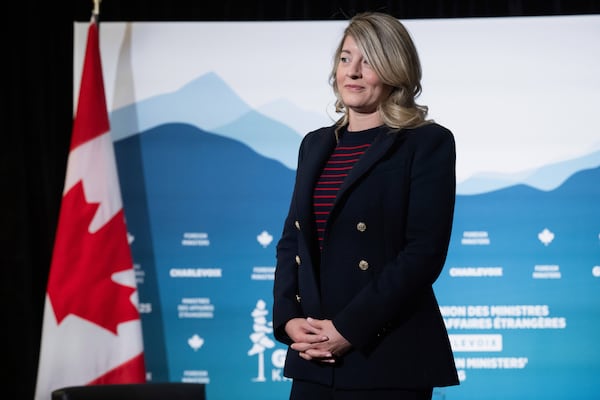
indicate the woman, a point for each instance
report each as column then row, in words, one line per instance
column 367, row 232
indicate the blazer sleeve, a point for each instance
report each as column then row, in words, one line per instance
column 285, row 287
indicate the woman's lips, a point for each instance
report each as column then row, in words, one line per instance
column 353, row 87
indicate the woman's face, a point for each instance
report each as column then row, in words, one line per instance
column 359, row 86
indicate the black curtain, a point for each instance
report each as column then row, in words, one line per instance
column 37, row 103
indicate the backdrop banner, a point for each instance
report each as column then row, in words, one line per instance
column 207, row 117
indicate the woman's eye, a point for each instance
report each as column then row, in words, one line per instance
column 344, row 59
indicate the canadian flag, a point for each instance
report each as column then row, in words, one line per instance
column 92, row 331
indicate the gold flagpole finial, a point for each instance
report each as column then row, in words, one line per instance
column 97, row 7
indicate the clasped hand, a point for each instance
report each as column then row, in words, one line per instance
column 316, row 339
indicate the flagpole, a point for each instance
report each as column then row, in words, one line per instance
column 91, row 331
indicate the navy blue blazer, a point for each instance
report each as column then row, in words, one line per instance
column 384, row 246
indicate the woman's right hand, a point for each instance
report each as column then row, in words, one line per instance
column 307, row 337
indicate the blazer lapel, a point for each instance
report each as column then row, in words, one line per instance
column 316, row 155
column 376, row 151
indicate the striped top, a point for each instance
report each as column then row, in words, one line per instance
column 351, row 146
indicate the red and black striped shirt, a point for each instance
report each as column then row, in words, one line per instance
column 351, row 146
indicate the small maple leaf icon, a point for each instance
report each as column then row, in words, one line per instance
column 546, row 236
column 265, row 238
column 195, row 342
column 80, row 275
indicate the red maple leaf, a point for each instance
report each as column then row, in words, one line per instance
column 82, row 265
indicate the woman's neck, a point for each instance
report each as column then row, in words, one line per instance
column 360, row 122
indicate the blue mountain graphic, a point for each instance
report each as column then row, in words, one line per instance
column 194, row 180
column 301, row 120
column 208, row 103
column 205, row 102
column 547, row 177
column 267, row 137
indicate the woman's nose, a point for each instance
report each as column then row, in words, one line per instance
column 354, row 71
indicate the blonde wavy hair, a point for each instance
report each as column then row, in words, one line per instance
column 389, row 49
